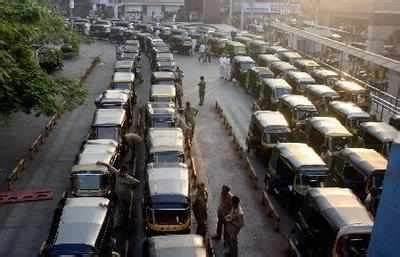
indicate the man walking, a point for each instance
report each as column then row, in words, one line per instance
column 202, row 52
column 224, row 208
column 234, row 223
column 132, row 140
column 190, row 114
column 202, row 90
column 221, row 61
column 179, row 92
column 200, row 209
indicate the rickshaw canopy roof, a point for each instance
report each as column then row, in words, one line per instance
column 301, row 77
column 109, row 117
column 324, row 73
column 381, row 130
column 349, row 109
column 262, row 71
column 123, row 77
column 163, row 90
column 243, row 58
column 168, row 180
column 81, row 220
column 268, row 58
column 368, row 160
column 321, row 90
column 97, row 150
column 291, row 55
column 329, row 126
column 283, row 66
column 278, row 49
column 115, row 96
column 125, row 64
column 258, row 42
column 298, row 101
column 234, row 43
column 300, row 155
column 341, row 207
column 349, row 86
column 271, row 119
column 277, row 83
column 160, row 75
column 306, row 63
column 166, row 139
column 177, row 246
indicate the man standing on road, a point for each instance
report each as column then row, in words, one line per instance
column 190, row 114
column 202, row 90
column 202, row 52
column 179, row 92
column 221, row 61
column 124, row 186
column 132, row 140
column 200, row 209
column 224, row 208
column 234, row 223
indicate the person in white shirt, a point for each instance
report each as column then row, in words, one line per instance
column 227, row 68
column 202, row 51
column 221, row 63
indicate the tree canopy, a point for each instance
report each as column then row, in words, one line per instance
column 24, row 86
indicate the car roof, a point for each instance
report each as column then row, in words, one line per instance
column 115, row 95
column 258, row 42
column 177, row 246
column 349, row 86
column 163, row 90
column 164, row 108
column 109, row 117
column 329, row 126
column 81, row 220
column 300, row 155
column 164, row 75
column 124, row 64
column 95, row 150
column 123, row 77
column 271, row 119
column 349, row 109
column 301, row 76
column 341, row 207
column 322, row 90
column 243, row 58
column 281, row 65
column 381, row 130
column 168, row 179
column 297, row 100
column 277, row 83
column 367, row 160
column 166, row 139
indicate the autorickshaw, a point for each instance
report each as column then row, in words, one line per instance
column 167, row 205
column 87, row 179
column 362, row 170
column 166, row 145
column 395, row 121
column 292, row 169
column 244, row 40
column 217, row 45
column 276, row 49
column 378, row 136
column 297, row 109
column 289, row 56
column 180, row 245
column 253, row 36
column 233, row 48
column 331, row 222
column 324, row 76
column 280, row 69
column 124, row 66
column 159, row 50
column 321, row 96
column 267, row 128
column 117, row 99
column 265, row 60
column 257, row 47
column 162, row 93
column 164, row 62
column 239, row 67
column 160, row 115
column 349, row 114
column 123, row 80
column 128, row 52
column 353, row 92
column 109, row 124
column 270, row 92
column 327, row 136
column 163, row 77
column 81, row 226
column 306, row 65
column 181, row 44
column 299, row 80
column 165, row 33
column 255, row 77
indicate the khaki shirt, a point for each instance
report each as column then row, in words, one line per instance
column 202, row 86
column 124, row 185
column 190, row 116
column 179, row 89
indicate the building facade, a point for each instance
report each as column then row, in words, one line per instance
column 151, row 8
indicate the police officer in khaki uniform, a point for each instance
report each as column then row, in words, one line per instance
column 190, row 114
column 224, row 208
column 200, row 209
column 179, row 92
column 202, row 90
column 132, row 140
column 234, row 223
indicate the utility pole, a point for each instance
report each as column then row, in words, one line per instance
column 71, row 8
column 230, row 12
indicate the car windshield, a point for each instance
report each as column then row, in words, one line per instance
column 245, row 66
column 339, row 143
column 121, row 85
column 90, row 181
column 274, row 138
column 168, row 157
column 107, row 133
column 305, row 114
column 279, row 92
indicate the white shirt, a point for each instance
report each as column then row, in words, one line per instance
column 202, row 48
column 221, row 60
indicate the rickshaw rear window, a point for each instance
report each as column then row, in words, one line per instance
column 356, row 245
column 339, row 143
column 107, row 133
column 170, row 217
column 281, row 92
column 274, row 138
column 168, row 157
column 303, row 114
column 90, row 181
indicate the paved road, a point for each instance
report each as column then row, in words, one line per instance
column 15, row 138
column 219, row 163
column 24, row 226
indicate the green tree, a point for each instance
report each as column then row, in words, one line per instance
column 24, row 86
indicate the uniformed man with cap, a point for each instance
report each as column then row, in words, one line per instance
column 190, row 114
column 200, row 209
column 224, row 208
column 234, row 223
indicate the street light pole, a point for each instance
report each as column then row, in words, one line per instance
column 230, row 12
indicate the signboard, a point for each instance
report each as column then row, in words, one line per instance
column 71, row 4
column 271, row 8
